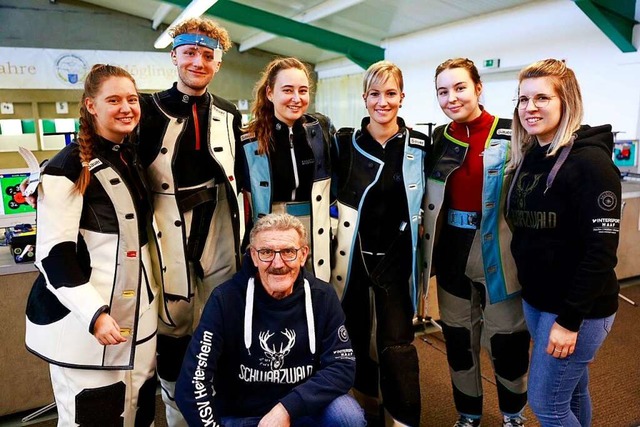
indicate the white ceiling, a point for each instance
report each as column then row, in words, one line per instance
column 370, row 21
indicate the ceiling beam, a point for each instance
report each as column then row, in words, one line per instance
column 615, row 19
column 161, row 12
column 362, row 53
column 320, row 11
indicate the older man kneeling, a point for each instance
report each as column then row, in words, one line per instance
column 271, row 348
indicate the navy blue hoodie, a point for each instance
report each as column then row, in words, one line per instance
column 257, row 358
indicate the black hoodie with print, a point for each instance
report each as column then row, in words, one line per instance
column 565, row 236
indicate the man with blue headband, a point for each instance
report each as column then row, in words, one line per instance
column 187, row 142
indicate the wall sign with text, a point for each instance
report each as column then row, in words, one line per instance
column 35, row 68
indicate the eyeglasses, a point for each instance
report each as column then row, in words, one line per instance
column 287, row 254
column 539, row 101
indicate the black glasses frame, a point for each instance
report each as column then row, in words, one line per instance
column 261, row 254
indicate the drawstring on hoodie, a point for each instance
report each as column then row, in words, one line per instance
column 564, row 153
column 559, row 162
column 248, row 315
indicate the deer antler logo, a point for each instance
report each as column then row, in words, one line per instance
column 276, row 357
column 524, row 187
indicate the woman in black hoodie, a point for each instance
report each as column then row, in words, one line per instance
column 564, row 206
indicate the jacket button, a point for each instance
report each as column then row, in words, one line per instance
column 370, row 165
column 437, row 174
column 339, row 278
column 431, row 206
column 320, row 261
column 178, row 223
column 347, row 224
column 159, row 234
column 456, row 149
column 318, row 198
column 278, row 126
column 180, row 120
column 313, row 132
column 427, row 236
column 164, row 150
column 321, row 230
column 343, row 253
column 165, row 186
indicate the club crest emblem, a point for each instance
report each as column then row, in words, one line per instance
column 71, row 69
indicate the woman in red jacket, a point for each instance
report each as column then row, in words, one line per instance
column 478, row 294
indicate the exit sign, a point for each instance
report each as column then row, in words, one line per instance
column 491, row 63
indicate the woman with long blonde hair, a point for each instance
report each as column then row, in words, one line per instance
column 564, row 207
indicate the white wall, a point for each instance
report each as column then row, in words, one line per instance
column 609, row 79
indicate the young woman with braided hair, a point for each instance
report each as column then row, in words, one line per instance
column 92, row 312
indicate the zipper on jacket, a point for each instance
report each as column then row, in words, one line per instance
column 294, row 163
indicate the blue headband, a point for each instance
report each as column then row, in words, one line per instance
column 196, row 39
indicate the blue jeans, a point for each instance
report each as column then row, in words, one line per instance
column 344, row 411
column 558, row 388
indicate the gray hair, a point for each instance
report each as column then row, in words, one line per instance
column 280, row 222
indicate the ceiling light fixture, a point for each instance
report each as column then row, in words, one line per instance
column 196, row 8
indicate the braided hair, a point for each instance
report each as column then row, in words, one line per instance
column 87, row 133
